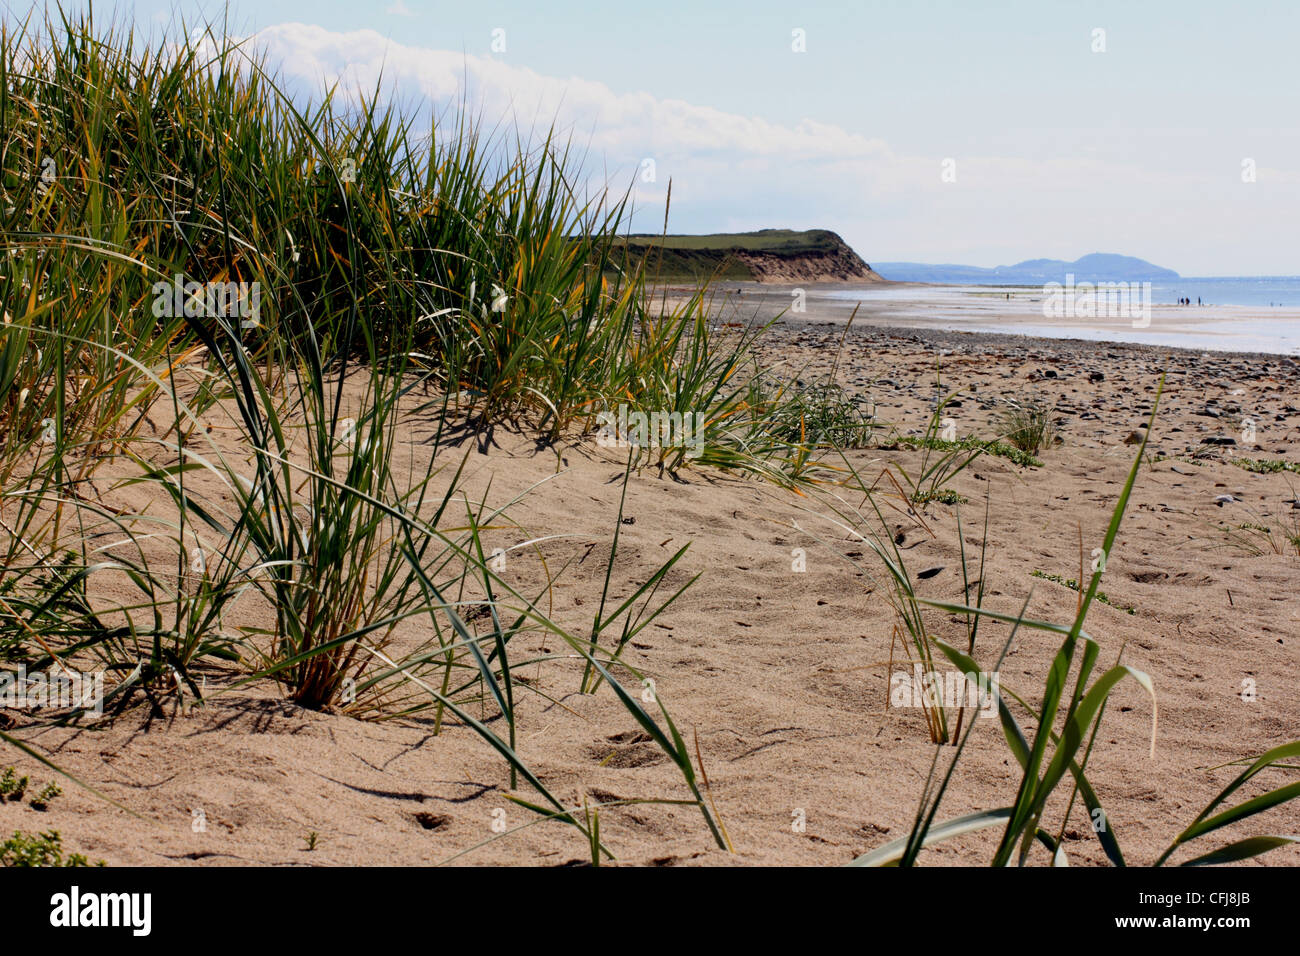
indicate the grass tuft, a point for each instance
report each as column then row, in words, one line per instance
column 1028, row 425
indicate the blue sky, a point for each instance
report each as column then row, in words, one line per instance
column 1057, row 150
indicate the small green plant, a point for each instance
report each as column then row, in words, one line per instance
column 997, row 449
column 1028, row 424
column 310, row 839
column 42, row 849
column 1265, row 531
column 12, row 787
column 1266, row 466
column 946, row 497
column 1073, row 585
column 43, row 799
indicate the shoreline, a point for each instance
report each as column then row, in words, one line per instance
column 963, row 310
column 960, row 338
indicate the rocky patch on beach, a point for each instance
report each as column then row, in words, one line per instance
column 1213, row 404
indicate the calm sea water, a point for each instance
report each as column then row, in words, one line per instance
column 1246, row 314
column 1279, row 291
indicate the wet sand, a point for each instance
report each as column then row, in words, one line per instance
column 1016, row 310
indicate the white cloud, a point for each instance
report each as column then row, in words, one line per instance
column 732, row 171
column 711, row 155
column 628, row 123
column 399, row 9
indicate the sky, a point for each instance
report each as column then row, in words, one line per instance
column 981, row 133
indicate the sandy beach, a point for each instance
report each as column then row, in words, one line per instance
column 784, row 675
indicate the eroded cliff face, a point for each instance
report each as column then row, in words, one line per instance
column 769, row 255
column 837, row 264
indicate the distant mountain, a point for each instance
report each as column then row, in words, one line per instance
column 1097, row 267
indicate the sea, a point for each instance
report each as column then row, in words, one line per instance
column 1227, row 313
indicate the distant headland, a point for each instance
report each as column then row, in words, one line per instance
column 769, row 255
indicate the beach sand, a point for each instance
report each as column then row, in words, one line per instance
column 782, row 673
